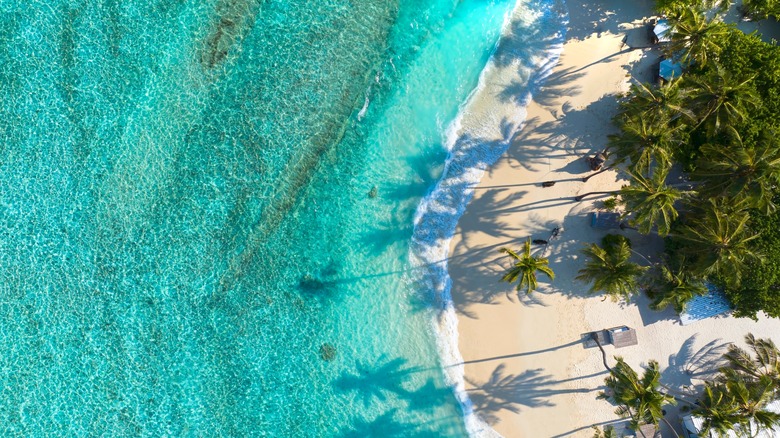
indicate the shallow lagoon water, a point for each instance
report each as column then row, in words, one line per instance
column 188, row 220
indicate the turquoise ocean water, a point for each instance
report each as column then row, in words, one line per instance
column 199, row 201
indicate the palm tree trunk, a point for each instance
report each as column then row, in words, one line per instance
column 603, row 353
column 641, row 255
column 579, row 197
column 670, row 427
column 631, row 414
column 585, row 179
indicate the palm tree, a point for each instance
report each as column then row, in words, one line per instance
column 525, row 268
column 765, row 363
column 657, row 103
column 605, row 158
column 645, row 141
column 639, row 399
column 650, row 201
column 751, row 398
column 752, row 173
column 737, row 400
column 718, row 409
column 719, row 240
column 673, row 8
column 759, row 9
column 675, row 287
column 609, row 269
column 694, row 38
column 721, row 101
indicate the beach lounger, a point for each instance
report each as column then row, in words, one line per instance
column 622, row 336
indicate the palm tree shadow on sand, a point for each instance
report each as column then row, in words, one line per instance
column 483, row 223
column 524, row 42
column 688, row 366
column 512, row 392
column 593, row 19
column 482, row 286
column 575, row 132
column 546, row 93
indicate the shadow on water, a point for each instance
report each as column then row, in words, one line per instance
column 512, row 392
column 387, row 234
column 391, row 378
column 395, row 379
column 386, row 425
column 404, row 195
column 321, row 283
column 426, row 169
column 523, row 42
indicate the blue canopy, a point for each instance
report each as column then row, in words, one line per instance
column 669, row 69
column 661, row 31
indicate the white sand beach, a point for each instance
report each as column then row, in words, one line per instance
column 526, row 369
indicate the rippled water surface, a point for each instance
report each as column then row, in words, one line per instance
column 206, row 208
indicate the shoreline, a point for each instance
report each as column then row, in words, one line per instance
column 568, row 119
column 474, row 142
column 524, row 364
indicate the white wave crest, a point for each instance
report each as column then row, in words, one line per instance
column 530, row 44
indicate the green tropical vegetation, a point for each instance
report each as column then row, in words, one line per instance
column 609, row 269
column 674, row 287
column 658, row 103
column 759, row 291
column 525, row 268
column 736, row 400
column 672, row 7
column 764, row 361
column 760, row 9
column 718, row 239
column 640, row 399
column 743, row 173
column 645, row 141
column 737, row 404
column 694, row 36
column 716, row 127
column 651, row 201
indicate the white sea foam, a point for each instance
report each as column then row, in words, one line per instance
column 470, row 153
column 364, row 110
